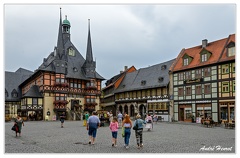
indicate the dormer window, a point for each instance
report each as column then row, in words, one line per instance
column 143, row 82
column 185, row 62
column 14, row 94
column 205, row 55
column 75, row 69
column 186, row 59
column 71, row 52
column 160, row 79
column 231, row 49
column 163, row 67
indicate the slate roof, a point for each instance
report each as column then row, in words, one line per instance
column 33, row 92
column 115, row 78
column 76, row 65
column 153, row 76
column 13, row 80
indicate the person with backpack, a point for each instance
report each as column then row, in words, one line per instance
column 138, row 126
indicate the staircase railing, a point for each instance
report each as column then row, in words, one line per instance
column 72, row 112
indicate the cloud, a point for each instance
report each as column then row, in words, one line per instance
column 138, row 35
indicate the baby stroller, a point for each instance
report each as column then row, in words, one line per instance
column 149, row 125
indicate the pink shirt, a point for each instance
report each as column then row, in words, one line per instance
column 113, row 126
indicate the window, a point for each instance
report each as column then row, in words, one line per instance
column 188, row 75
column 160, row 79
column 204, row 57
column 180, row 91
column 188, row 90
column 75, row 69
column 233, row 86
column 143, row 82
column 14, row 93
column 225, row 86
column 180, row 76
column 34, row 100
column 71, row 52
column 198, row 89
column 185, row 61
column 207, row 72
column 233, row 67
column 163, row 67
column 207, row 88
column 225, row 69
column 231, row 51
column 198, row 73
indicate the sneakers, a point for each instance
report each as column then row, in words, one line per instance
column 141, row 145
column 89, row 142
column 112, row 145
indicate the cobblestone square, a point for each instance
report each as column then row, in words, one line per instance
column 49, row 137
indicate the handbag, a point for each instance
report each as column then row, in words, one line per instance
column 136, row 126
column 15, row 128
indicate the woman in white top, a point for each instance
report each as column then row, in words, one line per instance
column 127, row 123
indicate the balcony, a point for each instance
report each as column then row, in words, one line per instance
column 90, row 104
column 60, row 102
column 91, row 87
column 60, row 84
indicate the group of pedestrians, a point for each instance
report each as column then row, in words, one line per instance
column 93, row 123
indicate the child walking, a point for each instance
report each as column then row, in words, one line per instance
column 114, row 128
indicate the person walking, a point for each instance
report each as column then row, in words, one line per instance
column 114, row 128
column 62, row 118
column 19, row 123
column 120, row 118
column 86, row 116
column 139, row 131
column 127, row 124
column 149, row 122
column 93, row 123
column 155, row 118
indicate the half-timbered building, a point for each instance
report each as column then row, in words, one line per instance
column 65, row 80
column 202, row 81
column 145, row 91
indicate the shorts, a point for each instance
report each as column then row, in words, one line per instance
column 62, row 120
column 92, row 132
column 114, row 134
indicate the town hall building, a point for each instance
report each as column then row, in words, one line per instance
column 64, row 82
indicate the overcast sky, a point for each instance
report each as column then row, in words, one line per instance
column 122, row 35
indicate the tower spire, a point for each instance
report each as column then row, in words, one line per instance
column 89, row 56
column 89, row 64
column 60, row 45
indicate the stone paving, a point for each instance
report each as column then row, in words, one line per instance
column 48, row 137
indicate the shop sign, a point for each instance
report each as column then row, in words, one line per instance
column 194, row 80
column 198, row 101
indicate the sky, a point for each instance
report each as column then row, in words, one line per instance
column 137, row 35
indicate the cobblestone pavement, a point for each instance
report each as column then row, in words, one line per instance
column 48, row 137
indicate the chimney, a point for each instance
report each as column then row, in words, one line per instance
column 125, row 68
column 204, row 43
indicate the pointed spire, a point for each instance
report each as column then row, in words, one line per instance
column 60, row 46
column 89, row 56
